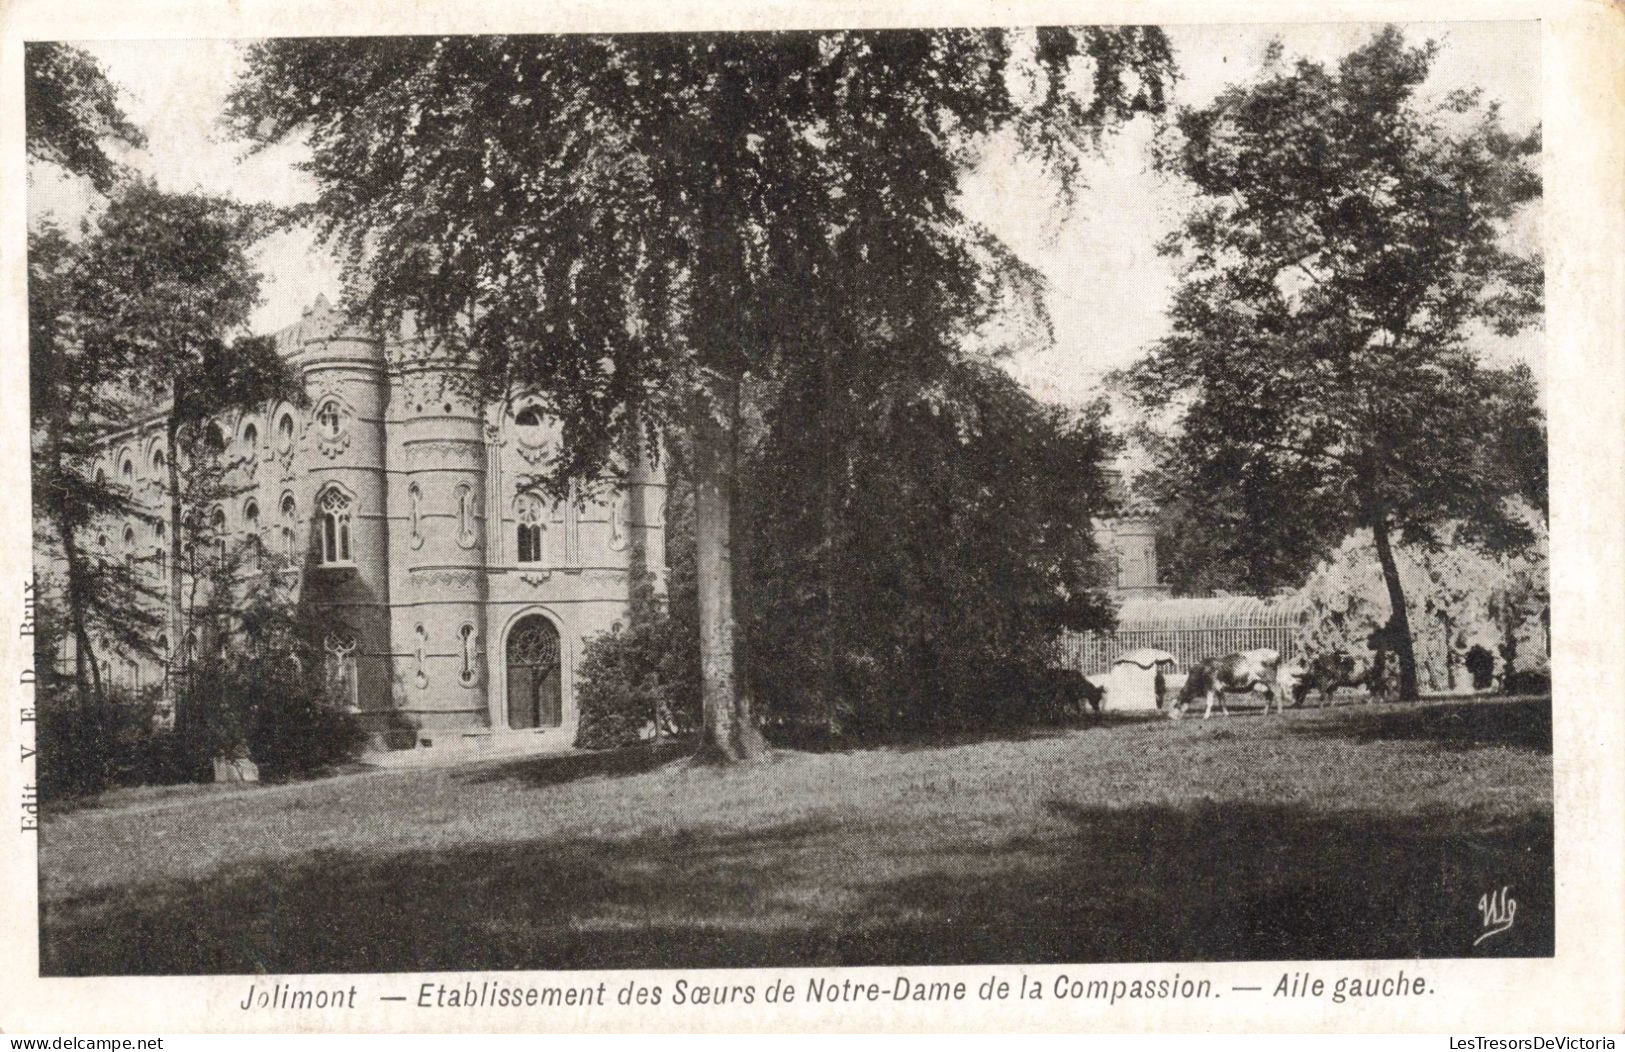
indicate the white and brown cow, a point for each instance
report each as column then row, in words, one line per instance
column 1243, row 673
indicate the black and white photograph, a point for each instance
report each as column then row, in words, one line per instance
column 805, row 498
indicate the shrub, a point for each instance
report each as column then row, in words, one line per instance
column 85, row 747
column 269, row 708
column 639, row 680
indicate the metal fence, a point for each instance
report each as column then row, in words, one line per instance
column 1190, row 628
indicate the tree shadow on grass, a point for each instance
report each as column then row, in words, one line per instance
column 1520, row 723
column 544, row 770
column 1078, row 884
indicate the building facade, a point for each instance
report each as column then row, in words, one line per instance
column 1128, row 539
column 461, row 598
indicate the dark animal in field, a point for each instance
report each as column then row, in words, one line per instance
column 1243, row 673
column 1069, row 690
column 1328, row 672
column 1481, row 667
column 1092, row 693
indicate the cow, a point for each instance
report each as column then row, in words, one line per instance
column 1327, row 672
column 1241, row 673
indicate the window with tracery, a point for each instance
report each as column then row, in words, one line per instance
column 334, row 508
column 342, row 679
column 532, row 526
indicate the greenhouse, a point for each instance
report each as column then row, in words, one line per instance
column 1189, row 629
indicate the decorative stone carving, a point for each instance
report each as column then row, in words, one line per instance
column 423, row 646
column 414, row 495
column 331, row 425
column 536, row 578
column 428, row 579
column 467, row 526
column 446, row 452
column 620, row 525
column 469, row 639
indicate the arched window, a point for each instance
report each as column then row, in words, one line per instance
column 620, row 521
column 528, row 425
column 158, row 462
column 422, row 656
column 251, row 437
column 126, row 470
column 470, row 643
column 129, row 547
column 341, row 669
column 334, row 507
column 415, row 496
column 532, row 525
column 465, row 516
column 290, row 520
column 214, row 439
column 251, row 527
column 329, row 419
column 284, row 432
column 535, row 697
column 132, row 673
column 189, row 655
column 217, row 525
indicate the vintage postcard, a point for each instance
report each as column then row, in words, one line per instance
column 807, row 517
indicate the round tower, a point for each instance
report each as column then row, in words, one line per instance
column 347, row 558
column 440, row 539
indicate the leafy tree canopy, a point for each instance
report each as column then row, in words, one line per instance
column 621, row 221
column 73, row 112
column 1347, row 252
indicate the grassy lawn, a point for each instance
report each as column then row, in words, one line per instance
column 1359, row 831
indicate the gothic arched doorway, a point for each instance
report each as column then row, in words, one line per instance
column 535, row 694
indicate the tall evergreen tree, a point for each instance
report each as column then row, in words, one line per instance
column 73, row 404
column 1347, row 249
column 637, row 226
column 173, row 286
column 72, row 113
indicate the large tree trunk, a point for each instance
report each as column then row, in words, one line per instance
column 1399, row 622
column 730, row 734
column 87, row 674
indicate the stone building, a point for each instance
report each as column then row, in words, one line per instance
column 462, row 599
column 1129, row 540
